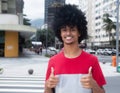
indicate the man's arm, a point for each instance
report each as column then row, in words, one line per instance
column 47, row 90
column 97, row 89
column 88, row 82
column 51, row 83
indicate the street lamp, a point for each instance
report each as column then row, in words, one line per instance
column 117, row 35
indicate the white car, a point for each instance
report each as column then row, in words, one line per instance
column 90, row 51
column 107, row 52
column 52, row 48
column 99, row 51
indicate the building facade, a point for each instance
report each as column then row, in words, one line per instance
column 11, row 27
column 94, row 13
column 102, row 7
column 50, row 6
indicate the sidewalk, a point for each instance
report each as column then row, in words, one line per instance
column 112, row 78
column 18, row 67
column 109, row 70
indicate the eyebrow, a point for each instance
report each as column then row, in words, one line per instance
column 71, row 26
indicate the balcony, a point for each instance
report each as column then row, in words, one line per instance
column 10, row 22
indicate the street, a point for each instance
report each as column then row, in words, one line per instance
column 101, row 58
column 104, row 58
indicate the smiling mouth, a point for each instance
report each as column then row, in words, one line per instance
column 68, row 38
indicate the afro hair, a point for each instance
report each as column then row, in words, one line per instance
column 70, row 15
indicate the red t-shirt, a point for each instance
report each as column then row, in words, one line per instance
column 72, row 68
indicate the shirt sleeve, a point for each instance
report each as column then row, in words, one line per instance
column 50, row 64
column 98, row 74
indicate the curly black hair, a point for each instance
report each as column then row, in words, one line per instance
column 70, row 15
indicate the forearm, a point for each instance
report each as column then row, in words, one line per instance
column 97, row 89
column 47, row 90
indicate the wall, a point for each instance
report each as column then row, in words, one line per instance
column 11, row 44
column 8, row 19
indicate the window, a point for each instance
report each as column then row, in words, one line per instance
column 2, row 35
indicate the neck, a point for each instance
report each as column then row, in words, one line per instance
column 72, row 51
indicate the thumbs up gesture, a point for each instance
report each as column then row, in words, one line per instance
column 87, row 81
column 52, row 72
column 90, row 71
column 53, row 80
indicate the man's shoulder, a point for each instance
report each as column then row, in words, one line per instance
column 86, row 54
column 57, row 56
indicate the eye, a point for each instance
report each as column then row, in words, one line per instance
column 63, row 29
column 73, row 29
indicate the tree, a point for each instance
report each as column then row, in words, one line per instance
column 41, row 36
column 108, row 26
column 26, row 21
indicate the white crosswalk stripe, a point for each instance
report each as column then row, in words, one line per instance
column 22, row 84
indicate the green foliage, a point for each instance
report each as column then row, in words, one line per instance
column 47, row 55
column 26, row 21
column 28, row 44
column 108, row 26
column 108, row 23
column 41, row 36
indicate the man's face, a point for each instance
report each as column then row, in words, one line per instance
column 70, row 35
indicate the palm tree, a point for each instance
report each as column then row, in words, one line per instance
column 108, row 26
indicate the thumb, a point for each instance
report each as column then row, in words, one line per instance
column 90, row 70
column 52, row 72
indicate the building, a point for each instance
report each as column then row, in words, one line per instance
column 50, row 6
column 94, row 13
column 12, row 28
column 101, row 37
column 51, row 11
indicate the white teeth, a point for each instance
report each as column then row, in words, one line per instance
column 68, row 37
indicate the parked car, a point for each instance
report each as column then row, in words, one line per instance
column 99, row 51
column 53, row 51
column 105, row 51
column 90, row 51
column 52, row 48
column 108, row 52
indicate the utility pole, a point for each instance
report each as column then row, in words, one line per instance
column 46, row 39
column 117, row 35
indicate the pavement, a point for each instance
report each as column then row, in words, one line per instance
column 112, row 78
column 18, row 67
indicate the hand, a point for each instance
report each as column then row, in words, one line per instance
column 53, row 80
column 87, row 80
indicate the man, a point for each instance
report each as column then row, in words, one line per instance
column 73, row 70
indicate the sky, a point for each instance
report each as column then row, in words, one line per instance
column 34, row 9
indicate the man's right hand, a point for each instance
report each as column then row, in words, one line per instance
column 53, row 80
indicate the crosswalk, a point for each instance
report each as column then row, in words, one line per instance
column 22, row 84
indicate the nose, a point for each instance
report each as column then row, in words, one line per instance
column 68, row 32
